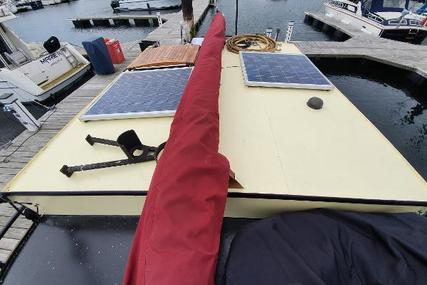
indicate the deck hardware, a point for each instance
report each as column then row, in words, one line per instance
column 128, row 142
column 276, row 37
column 269, row 32
column 20, row 210
column 289, row 32
column 315, row 103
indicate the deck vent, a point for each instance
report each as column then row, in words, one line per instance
column 315, row 103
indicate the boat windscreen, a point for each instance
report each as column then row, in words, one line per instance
column 388, row 5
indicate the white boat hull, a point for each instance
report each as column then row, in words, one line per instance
column 135, row 5
column 41, row 78
column 64, row 84
column 412, row 34
column 366, row 25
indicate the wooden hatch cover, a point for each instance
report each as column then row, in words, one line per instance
column 168, row 55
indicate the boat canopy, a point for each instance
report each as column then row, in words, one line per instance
column 422, row 9
column 385, row 5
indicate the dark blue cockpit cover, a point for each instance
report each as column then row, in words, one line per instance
column 330, row 247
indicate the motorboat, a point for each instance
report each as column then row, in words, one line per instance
column 383, row 18
column 36, row 74
column 141, row 5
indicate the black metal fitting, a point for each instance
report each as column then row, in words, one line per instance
column 129, row 143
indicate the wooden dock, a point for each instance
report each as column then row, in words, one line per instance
column 170, row 32
column 17, row 154
column 361, row 45
column 120, row 21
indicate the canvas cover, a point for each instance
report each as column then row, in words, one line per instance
column 330, row 247
column 177, row 238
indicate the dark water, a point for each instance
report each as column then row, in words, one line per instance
column 389, row 100
column 39, row 25
column 257, row 15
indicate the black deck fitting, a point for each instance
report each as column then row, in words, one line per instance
column 31, row 215
column 128, row 142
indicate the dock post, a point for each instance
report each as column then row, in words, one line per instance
column 236, row 18
column 188, row 17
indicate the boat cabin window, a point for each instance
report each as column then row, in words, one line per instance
column 388, row 5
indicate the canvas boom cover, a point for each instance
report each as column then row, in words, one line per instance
column 177, row 238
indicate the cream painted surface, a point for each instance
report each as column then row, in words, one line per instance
column 70, row 147
column 275, row 144
column 235, row 207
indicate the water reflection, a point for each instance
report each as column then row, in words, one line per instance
column 389, row 100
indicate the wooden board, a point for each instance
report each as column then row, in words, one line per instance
column 166, row 56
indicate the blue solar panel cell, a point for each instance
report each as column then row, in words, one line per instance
column 282, row 70
column 141, row 93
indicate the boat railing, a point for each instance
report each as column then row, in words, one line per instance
column 344, row 5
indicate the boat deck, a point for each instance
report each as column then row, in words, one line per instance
column 284, row 154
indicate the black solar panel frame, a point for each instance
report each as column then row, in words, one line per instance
column 252, row 83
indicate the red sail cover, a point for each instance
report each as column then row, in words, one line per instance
column 177, row 238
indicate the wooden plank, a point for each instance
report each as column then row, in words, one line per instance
column 16, row 233
column 8, row 243
column 4, row 255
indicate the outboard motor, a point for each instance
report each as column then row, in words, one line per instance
column 52, row 44
column 115, row 4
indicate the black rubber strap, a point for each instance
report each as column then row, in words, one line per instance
column 158, row 150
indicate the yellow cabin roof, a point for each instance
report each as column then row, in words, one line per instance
column 275, row 143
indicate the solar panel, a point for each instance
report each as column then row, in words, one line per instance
column 149, row 93
column 282, row 70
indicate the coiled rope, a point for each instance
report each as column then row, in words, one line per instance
column 249, row 42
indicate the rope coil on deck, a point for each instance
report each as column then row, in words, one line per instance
column 250, row 42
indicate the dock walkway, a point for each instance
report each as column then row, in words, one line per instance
column 170, row 32
column 361, row 45
column 17, row 154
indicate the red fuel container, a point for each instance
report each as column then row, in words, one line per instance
column 115, row 51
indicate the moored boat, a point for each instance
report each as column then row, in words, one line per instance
column 380, row 18
column 141, row 5
column 36, row 76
